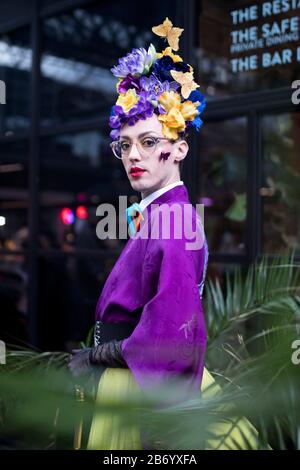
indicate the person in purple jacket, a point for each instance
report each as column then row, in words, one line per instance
column 150, row 326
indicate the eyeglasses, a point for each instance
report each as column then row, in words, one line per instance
column 146, row 146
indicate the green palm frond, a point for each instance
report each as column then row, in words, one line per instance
column 265, row 289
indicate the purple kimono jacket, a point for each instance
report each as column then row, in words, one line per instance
column 157, row 284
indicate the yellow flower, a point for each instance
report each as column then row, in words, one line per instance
column 127, row 100
column 176, row 113
column 189, row 110
column 173, row 122
column 169, row 100
column 168, row 51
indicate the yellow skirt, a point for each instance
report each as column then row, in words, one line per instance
column 109, row 433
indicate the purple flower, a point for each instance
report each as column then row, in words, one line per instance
column 114, row 135
column 155, row 87
column 136, row 63
column 141, row 110
column 114, row 120
column 129, row 82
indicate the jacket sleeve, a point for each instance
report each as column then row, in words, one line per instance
column 169, row 342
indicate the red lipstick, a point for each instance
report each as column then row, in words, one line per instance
column 136, row 171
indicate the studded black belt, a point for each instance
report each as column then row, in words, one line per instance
column 105, row 332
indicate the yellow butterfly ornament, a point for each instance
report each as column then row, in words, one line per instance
column 186, row 80
column 168, row 31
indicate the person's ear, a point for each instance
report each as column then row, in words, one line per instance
column 181, row 150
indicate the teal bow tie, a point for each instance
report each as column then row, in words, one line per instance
column 134, row 217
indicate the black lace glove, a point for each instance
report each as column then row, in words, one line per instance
column 107, row 354
column 79, row 362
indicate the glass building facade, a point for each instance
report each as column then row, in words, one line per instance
column 56, row 166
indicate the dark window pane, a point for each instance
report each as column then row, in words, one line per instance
column 12, row 9
column 80, row 47
column 222, row 178
column 14, row 195
column 79, row 172
column 15, row 68
column 69, row 287
column 45, row 3
column 280, row 190
column 226, row 44
column 14, row 298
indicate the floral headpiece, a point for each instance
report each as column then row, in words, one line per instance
column 161, row 83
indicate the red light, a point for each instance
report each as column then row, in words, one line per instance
column 81, row 212
column 67, row 216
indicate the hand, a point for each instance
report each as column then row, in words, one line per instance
column 107, row 354
column 79, row 361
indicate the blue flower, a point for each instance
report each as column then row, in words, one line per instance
column 196, row 95
column 162, row 67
